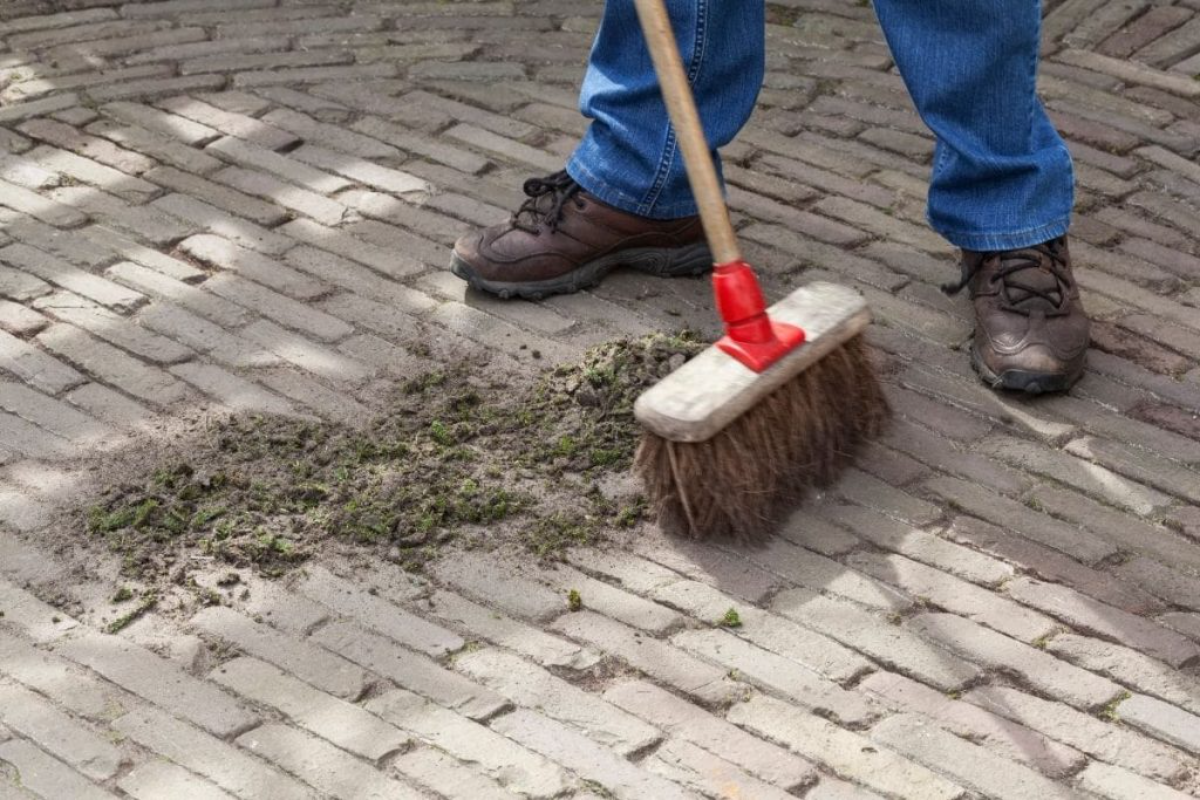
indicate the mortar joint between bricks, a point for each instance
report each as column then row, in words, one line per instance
column 220, row 650
column 906, row 280
column 124, row 767
column 159, row 191
column 202, row 144
column 1004, row 677
column 244, row 729
column 596, row 678
column 489, row 168
column 1026, row 498
column 647, row 750
column 941, row 524
column 291, row 147
column 1045, row 639
column 689, row 622
column 981, row 679
column 538, row 139
column 768, row 597
column 830, row 715
column 503, row 711
column 1108, row 711
column 275, row 224
column 681, row 624
column 76, row 224
column 1192, row 665
column 863, row 546
column 373, row 689
column 860, row 675
column 920, row 605
column 1115, row 559
column 721, row 707
column 387, row 761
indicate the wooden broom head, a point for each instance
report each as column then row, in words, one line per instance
column 705, row 395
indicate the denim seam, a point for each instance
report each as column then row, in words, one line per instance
column 1032, row 95
column 660, row 176
column 1007, row 240
column 1006, row 233
column 1070, row 162
column 943, row 155
column 671, row 145
column 700, row 45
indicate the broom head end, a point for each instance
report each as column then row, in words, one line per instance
column 729, row 452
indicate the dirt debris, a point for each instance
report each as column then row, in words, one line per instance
column 453, row 460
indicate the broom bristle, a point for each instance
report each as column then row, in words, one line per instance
column 743, row 482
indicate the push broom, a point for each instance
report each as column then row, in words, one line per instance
column 735, row 437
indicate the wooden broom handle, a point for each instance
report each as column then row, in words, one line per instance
column 681, row 105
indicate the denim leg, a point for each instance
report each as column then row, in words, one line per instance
column 629, row 157
column 1002, row 176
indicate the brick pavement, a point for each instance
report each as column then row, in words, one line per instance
column 246, row 204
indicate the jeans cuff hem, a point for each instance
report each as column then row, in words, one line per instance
column 596, row 186
column 1011, row 240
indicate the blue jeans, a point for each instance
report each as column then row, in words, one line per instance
column 1002, row 176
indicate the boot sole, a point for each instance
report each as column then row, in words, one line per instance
column 691, row 260
column 1019, row 380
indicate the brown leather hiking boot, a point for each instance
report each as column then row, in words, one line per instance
column 1031, row 332
column 562, row 240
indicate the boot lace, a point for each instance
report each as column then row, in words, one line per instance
column 547, row 198
column 1018, row 293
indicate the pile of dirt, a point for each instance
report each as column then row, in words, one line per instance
column 452, row 458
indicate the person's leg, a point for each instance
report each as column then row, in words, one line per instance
column 629, row 158
column 1002, row 187
column 624, row 199
column 1002, row 175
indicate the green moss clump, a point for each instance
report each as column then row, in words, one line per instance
column 149, row 601
column 1109, row 712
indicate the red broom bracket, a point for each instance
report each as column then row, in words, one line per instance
column 751, row 336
